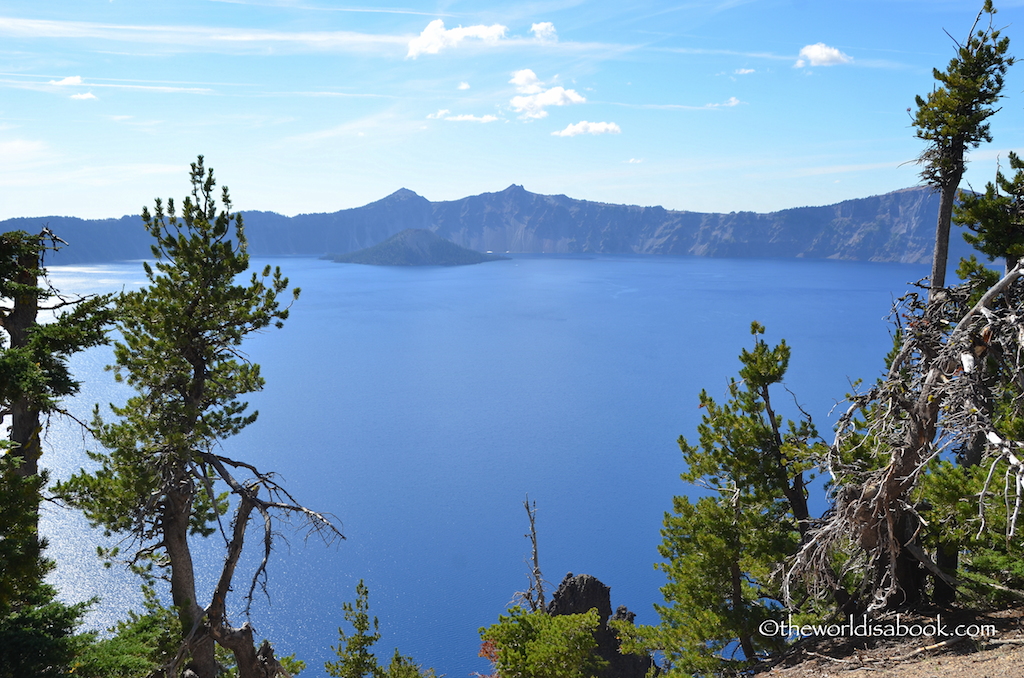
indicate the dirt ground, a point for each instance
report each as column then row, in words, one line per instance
column 1000, row 655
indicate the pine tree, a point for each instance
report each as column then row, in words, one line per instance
column 158, row 477
column 952, row 119
column 534, row 644
column 36, row 630
column 996, row 216
column 355, row 659
column 723, row 551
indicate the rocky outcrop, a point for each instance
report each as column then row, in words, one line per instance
column 415, row 247
column 581, row 593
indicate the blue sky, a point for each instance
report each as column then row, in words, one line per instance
column 316, row 106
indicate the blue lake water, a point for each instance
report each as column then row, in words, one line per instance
column 421, row 405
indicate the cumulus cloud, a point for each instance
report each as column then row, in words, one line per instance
column 526, row 82
column 463, row 85
column 544, row 31
column 440, row 114
column 86, row 95
column 744, row 71
column 820, row 54
column 70, row 80
column 534, row 97
column 533, row 105
column 436, row 37
column 585, row 127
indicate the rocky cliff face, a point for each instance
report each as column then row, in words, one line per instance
column 895, row 227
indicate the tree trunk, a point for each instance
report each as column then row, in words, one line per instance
column 947, row 558
column 891, row 526
column 176, row 511
column 25, row 430
column 947, row 196
column 746, row 642
column 24, row 413
column 793, row 490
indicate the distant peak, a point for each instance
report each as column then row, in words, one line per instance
column 515, row 188
column 404, row 194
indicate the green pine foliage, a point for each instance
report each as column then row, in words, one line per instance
column 34, row 373
column 36, row 630
column 21, row 562
column 996, row 217
column 37, row 633
column 953, row 117
column 355, row 658
column 135, row 646
column 991, row 560
column 538, row 645
column 179, row 350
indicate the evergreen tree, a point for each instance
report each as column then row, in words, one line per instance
column 36, row 630
column 34, row 373
column 724, row 551
column 952, row 119
column 996, row 216
column 538, row 645
column 355, row 659
column 158, row 477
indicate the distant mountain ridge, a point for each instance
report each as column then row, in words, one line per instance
column 895, row 227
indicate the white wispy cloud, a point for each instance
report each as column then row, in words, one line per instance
column 436, row 37
column 585, row 127
column 728, row 103
column 18, row 152
column 201, row 38
column 724, row 52
column 544, row 31
column 743, row 71
column 463, row 85
column 312, row 8
column 84, row 95
column 820, row 54
column 48, row 86
column 472, row 118
column 445, row 114
column 70, row 80
column 534, row 97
